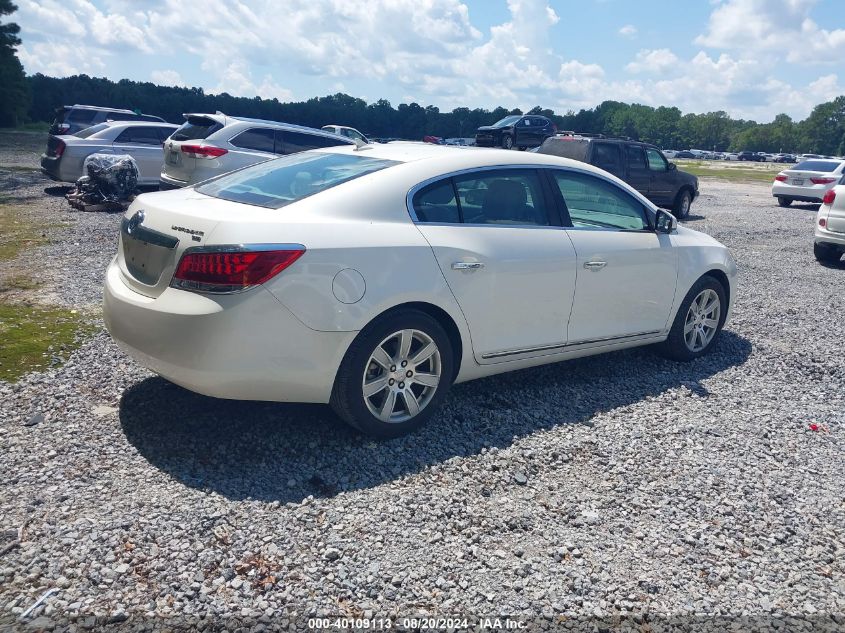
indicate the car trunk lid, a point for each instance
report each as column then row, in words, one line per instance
column 805, row 177
column 178, row 164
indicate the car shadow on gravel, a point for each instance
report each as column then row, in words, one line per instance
column 285, row 452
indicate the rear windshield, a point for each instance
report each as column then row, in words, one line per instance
column 196, row 128
column 279, row 182
column 566, row 147
column 91, row 131
column 78, row 115
column 818, row 165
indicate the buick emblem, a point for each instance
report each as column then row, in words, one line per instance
column 134, row 221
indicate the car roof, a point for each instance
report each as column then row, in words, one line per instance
column 113, row 124
column 227, row 120
column 99, row 109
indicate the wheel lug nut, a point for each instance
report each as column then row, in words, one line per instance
column 401, row 385
column 409, row 373
column 404, row 363
column 393, row 368
column 390, row 382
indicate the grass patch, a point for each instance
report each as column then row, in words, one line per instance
column 18, row 282
column 36, row 338
column 18, row 232
column 737, row 172
column 38, row 126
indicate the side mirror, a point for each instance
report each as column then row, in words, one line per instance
column 672, row 166
column 665, row 222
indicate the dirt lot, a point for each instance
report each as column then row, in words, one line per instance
column 621, row 485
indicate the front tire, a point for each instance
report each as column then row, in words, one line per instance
column 784, row 201
column 395, row 375
column 826, row 254
column 682, row 205
column 698, row 322
column 507, row 141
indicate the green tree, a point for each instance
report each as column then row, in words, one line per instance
column 14, row 92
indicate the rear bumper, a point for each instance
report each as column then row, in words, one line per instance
column 166, row 182
column 244, row 346
column 829, row 237
column 813, row 193
column 50, row 167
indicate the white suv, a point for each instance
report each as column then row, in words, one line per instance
column 207, row 145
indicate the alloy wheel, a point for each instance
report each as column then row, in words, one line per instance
column 702, row 320
column 401, row 375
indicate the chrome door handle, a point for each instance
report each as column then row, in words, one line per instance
column 594, row 265
column 467, row 265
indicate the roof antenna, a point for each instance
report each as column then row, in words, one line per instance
column 360, row 145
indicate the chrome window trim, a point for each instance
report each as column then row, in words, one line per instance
column 409, row 198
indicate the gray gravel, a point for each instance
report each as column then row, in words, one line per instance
column 622, row 484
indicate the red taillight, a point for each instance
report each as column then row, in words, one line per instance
column 203, row 151
column 230, row 271
column 822, row 181
column 781, row 177
column 822, row 223
column 59, row 149
column 829, row 197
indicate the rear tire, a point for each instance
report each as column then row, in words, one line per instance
column 826, row 254
column 682, row 204
column 378, row 394
column 698, row 323
column 784, row 201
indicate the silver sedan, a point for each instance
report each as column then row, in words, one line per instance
column 143, row 141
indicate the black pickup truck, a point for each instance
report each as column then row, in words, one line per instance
column 641, row 165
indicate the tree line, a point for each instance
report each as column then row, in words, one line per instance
column 35, row 98
column 823, row 131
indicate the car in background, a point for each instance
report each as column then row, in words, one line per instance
column 669, row 153
column 731, row 156
column 348, row 132
column 746, row 155
column 520, row 131
column 66, row 153
column 829, row 239
column 808, row 181
column 684, row 153
column 207, row 145
column 72, row 119
column 784, row 158
column 641, row 165
column 441, row 265
column 436, row 140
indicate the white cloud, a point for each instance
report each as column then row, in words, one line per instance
column 167, row 78
column 653, row 61
column 629, row 30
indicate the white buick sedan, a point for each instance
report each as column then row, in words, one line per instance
column 374, row 278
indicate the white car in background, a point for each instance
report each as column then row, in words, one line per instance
column 348, row 132
column 65, row 155
column 829, row 242
column 375, row 278
column 808, row 181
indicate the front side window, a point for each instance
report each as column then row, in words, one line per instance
column 277, row 183
column 598, row 204
column 256, row 139
column 656, row 162
column 505, row 197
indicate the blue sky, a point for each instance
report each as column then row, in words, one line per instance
column 752, row 58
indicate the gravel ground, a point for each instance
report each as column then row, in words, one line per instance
column 619, row 484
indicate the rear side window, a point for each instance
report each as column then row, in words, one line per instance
column 293, row 142
column 140, row 135
column 78, row 115
column 196, row 128
column 437, row 203
column 505, row 197
column 606, row 156
column 818, row 165
column 635, row 157
column 257, row 139
column 276, row 183
column 598, row 204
